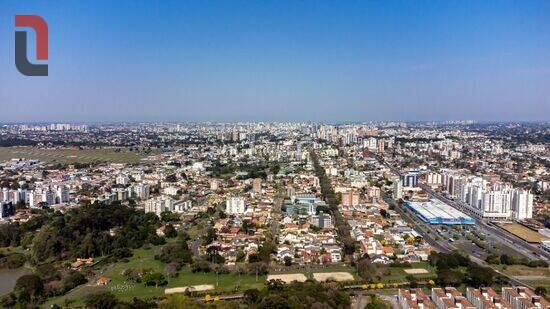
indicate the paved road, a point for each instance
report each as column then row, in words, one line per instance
column 276, row 211
column 442, row 245
column 419, row 227
column 532, row 277
column 521, row 246
column 528, row 250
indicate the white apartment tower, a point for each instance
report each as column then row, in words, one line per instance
column 522, row 204
column 235, row 205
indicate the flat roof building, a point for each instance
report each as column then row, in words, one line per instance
column 436, row 212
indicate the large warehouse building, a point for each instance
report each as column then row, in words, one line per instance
column 436, row 212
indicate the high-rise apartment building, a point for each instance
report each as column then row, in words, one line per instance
column 235, row 205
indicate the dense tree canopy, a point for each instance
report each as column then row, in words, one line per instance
column 87, row 231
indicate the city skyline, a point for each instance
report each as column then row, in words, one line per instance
column 282, row 61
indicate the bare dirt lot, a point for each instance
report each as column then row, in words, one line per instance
column 523, row 232
column 287, row 278
column 416, row 271
column 192, row 288
column 336, row 276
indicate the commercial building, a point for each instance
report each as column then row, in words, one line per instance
column 300, row 209
column 303, row 198
column 436, row 212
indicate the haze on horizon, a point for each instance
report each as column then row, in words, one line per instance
column 282, row 60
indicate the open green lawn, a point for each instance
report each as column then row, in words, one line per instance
column 144, row 258
column 522, row 270
column 539, row 282
column 72, row 155
column 398, row 274
column 308, row 271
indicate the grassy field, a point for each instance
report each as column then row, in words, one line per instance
column 307, row 270
column 522, row 270
column 523, row 232
column 539, row 282
column 228, row 283
column 144, row 259
column 72, row 155
column 397, row 274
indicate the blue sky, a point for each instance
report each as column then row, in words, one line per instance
column 282, row 60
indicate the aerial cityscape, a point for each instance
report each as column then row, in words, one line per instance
column 275, row 154
column 275, row 215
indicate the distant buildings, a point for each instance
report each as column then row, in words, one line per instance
column 486, row 298
column 410, row 179
column 257, row 185
column 524, row 298
column 214, row 185
column 493, row 202
column 482, row 298
column 303, row 198
column 49, row 195
column 322, row 220
column 11, row 195
column 522, row 204
column 414, row 299
column 300, row 209
column 450, row 298
column 159, row 205
column 397, row 188
column 122, row 180
column 496, row 201
column 141, row 191
column 235, row 205
column 55, row 127
column 350, row 198
column 6, row 209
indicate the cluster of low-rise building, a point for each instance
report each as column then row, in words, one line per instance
column 307, row 234
column 476, row 298
column 381, row 233
column 261, row 176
